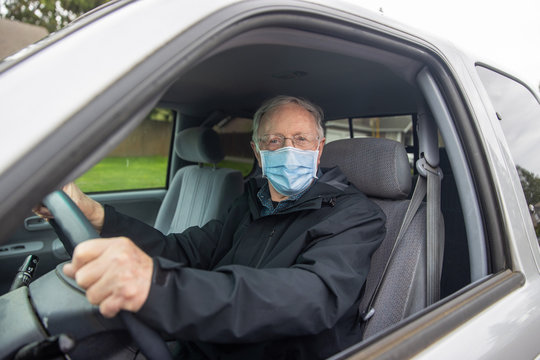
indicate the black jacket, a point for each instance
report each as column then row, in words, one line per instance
column 284, row 286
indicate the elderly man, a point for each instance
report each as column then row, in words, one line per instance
column 281, row 277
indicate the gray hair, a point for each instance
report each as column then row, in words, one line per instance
column 280, row 100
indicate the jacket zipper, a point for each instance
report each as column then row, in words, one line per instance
column 266, row 247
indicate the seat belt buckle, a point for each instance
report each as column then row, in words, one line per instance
column 368, row 314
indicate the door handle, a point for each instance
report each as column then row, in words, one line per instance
column 36, row 223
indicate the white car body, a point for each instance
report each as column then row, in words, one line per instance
column 497, row 316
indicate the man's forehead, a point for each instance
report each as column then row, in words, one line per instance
column 288, row 115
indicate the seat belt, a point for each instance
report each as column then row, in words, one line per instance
column 430, row 186
column 428, row 167
column 435, row 239
column 418, row 195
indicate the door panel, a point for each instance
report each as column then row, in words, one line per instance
column 24, row 242
column 142, row 205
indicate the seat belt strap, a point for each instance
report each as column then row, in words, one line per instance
column 418, row 195
column 435, row 241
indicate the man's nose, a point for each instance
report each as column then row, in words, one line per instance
column 285, row 142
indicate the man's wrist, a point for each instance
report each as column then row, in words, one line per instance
column 98, row 216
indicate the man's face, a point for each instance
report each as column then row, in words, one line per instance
column 288, row 121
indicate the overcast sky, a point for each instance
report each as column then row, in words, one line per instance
column 507, row 31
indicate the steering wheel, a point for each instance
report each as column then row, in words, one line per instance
column 73, row 228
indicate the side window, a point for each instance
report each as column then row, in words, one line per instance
column 139, row 162
column 235, row 135
column 519, row 113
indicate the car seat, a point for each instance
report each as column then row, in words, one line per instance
column 380, row 169
column 198, row 193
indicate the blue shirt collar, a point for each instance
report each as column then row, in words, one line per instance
column 268, row 206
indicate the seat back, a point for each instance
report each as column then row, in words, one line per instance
column 197, row 193
column 380, row 169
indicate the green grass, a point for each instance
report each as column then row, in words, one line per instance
column 245, row 168
column 132, row 173
column 125, row 173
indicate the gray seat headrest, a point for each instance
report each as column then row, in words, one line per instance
column 377, row 167
column 200, row 145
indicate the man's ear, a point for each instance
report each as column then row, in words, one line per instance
column 321, row 147
column 257, row 154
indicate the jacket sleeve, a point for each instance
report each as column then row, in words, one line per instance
column 193, row 248
column 238, row 304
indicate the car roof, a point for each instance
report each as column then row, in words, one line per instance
column 327, row 71
column 266, row 63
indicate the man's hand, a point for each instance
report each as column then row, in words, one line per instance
column 89, row 207
column 115, row 273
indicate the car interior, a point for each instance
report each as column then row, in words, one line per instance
column 390, row 122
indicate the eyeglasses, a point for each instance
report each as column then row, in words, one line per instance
column 300, row 141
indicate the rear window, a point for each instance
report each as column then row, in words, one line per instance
column 235, row 135
column 398, row 128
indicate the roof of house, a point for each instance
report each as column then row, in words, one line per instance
column 15, row 35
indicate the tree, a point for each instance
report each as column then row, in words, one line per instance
column 531, row 185
column 51, row 14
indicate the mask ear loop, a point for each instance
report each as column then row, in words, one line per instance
column 262, row 163
column 315, row 165
column 260, row 156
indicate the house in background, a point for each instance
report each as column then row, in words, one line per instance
column 15, row 35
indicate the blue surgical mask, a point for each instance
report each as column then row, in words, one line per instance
column 289, row 170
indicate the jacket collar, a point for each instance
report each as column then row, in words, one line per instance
column 331, row 183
